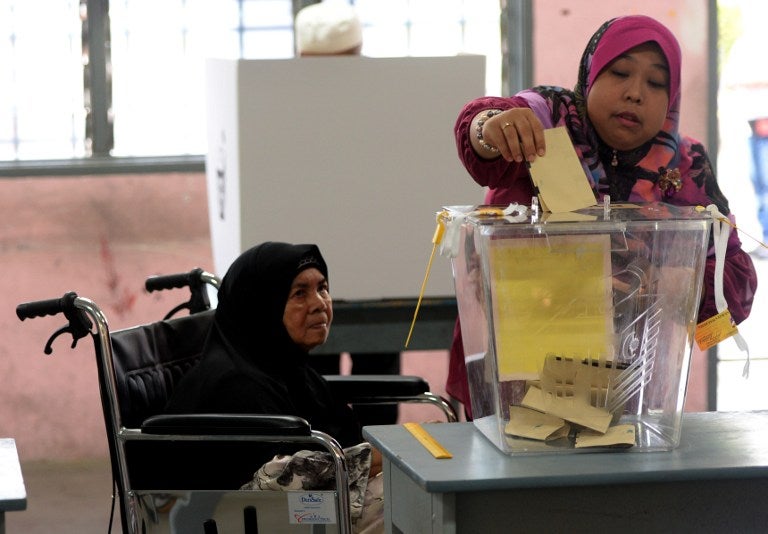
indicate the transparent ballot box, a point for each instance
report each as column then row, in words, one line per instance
column 578, row 327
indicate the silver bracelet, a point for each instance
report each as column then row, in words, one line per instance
column 479, row 129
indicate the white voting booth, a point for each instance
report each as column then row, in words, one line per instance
column 354, row 154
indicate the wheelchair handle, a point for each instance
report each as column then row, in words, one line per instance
column 41, row 308
column 196, row 280
column 193, row 279
column 173, row 281
column 78, row 324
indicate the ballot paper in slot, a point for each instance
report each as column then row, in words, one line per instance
column 559, row 177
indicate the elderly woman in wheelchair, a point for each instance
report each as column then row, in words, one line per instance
column 200, row 404
column 274, row 306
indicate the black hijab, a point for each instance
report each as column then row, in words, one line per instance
column 252, row 298
column 250, row 364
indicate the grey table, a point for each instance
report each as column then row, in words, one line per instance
column 13, row 495
column 715, row 481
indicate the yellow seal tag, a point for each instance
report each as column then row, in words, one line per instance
column 715, row 329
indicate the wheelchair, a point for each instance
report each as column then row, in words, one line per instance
column 163, row 465
column 356, row 389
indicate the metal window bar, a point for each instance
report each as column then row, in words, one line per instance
column 516, row 45
column 99, row 131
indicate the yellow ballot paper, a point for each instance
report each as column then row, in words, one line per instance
column 559, row 176
column 551, row 295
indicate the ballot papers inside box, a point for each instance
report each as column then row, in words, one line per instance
column 578, row 327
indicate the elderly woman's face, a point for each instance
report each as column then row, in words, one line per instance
column 309, row 310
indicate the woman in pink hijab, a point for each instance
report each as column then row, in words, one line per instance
column 623, row 118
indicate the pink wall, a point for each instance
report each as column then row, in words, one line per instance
column 99, row 237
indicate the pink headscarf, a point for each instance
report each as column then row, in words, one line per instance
column 628, row 32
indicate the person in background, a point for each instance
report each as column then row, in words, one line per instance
column 758, row 144
column 332, row 28
column 329, row 28
column 623, row 117
column 743, row 123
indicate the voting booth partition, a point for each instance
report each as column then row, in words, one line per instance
column 347, row 152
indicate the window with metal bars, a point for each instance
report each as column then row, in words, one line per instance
column 103, row 80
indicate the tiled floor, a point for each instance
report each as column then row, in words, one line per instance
column 66, row 498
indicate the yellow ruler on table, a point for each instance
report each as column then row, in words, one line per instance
column 426, row 439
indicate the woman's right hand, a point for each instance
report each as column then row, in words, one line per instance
column 516, row 133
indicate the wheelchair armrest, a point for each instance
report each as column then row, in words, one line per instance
column 351, row 387
column 226, row 424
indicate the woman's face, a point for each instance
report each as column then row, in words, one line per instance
column 309, row 310
column 627, row 103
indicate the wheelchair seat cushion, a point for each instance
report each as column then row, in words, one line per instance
column 315, row 470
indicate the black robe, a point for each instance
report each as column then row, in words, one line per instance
column 250, row 365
